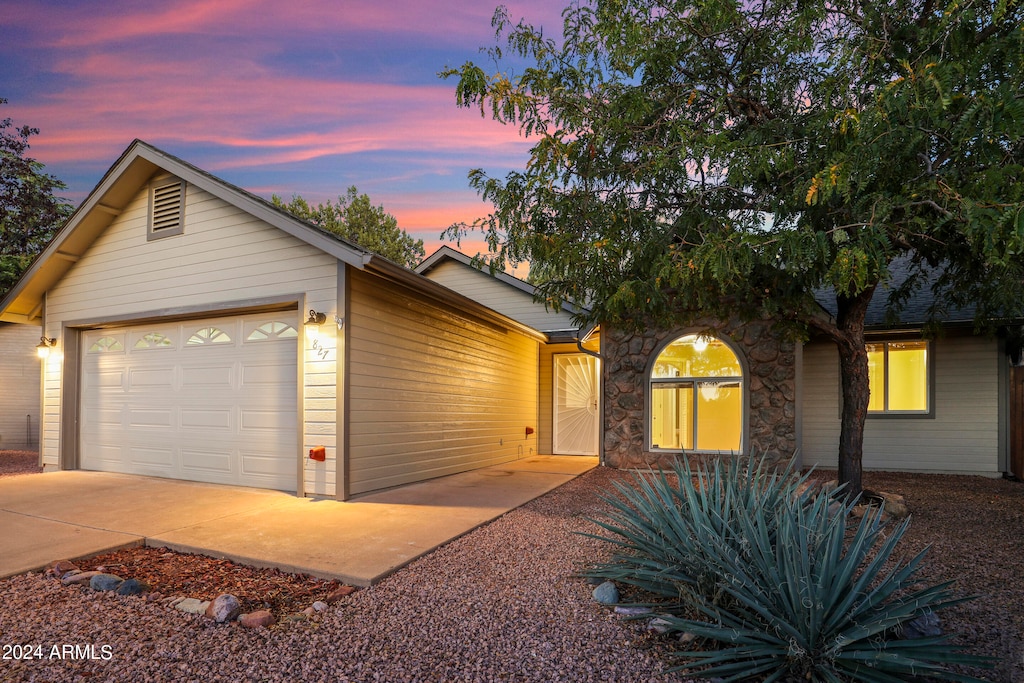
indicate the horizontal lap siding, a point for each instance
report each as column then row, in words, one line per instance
column 502, row 297
column 19, row 387
column 224, row 256
column 430, row 392
column 962, row 437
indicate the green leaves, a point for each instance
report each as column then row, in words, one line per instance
column 357, row 220
column 837, row 120
column 743, row 557
column 30, row 213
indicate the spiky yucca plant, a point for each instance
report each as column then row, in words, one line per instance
column 743, row 556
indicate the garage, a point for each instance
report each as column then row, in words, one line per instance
column 212, row 400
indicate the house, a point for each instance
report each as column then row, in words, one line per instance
column 201, row 333
column 198, row 332
column 19, row 387
column 953, row 404
column 942, row 404
column 568, row 374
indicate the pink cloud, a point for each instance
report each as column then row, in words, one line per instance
column 77, row 25
column 274, row 119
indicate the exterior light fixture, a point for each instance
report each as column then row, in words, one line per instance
column 315, row 318
column 340, row 322
column 44, row 346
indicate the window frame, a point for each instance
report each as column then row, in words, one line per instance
column 695, row 384
column 887, row 414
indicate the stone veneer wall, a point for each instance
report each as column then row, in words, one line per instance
column 771, row 366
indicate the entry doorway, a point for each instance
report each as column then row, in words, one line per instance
column 577, row 402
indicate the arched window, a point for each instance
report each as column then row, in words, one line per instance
column 696, row 397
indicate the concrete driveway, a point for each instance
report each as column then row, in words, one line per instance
column 74, row 514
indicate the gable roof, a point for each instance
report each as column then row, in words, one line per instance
column 446, row 253
column 556, row 324
column 129, row 174
column 133, row 170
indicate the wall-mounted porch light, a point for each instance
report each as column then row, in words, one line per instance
column 316, row 319
column 44, row 346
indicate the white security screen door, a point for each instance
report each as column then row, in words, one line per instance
column 576, row 421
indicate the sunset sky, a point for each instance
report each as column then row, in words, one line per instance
column 295, row 97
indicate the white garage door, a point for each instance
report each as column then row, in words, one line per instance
column 208, row 400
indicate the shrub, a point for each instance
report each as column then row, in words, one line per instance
column 744, row 556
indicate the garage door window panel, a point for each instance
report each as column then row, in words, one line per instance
column 208, row 335
column 271, row 331
column 107, row 344
column 153, row 340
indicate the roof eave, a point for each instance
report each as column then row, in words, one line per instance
column 133, row 169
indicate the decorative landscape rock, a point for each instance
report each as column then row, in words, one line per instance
column 130, row 587
column 925, row 626
column 257, row 619
column 192, row 606
column 606, row 593
column 894, row 505
column 659, row 625
column 62, row 567
column 632, row 611
column 224, row 608
column 80, row 578
column 105, row 582
column 337, row 595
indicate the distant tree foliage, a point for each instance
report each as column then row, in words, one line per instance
column 30, row 213
column 356, row 219
column 734, row 157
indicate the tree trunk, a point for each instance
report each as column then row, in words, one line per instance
column 853, row 367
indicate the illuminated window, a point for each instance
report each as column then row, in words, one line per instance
column 696, row 397
column 898, row 377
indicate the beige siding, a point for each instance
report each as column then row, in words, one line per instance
column 963, row 437
column 225, row 256
column 506, row 299
column 19, row 387
column 430, row 392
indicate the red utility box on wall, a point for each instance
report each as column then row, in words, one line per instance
column 318, row 453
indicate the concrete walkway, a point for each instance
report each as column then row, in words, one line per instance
column 74, row 514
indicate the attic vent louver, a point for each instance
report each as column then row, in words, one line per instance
column 167, row 209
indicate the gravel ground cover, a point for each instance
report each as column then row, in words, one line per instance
column 13, row 463
column 500, row 604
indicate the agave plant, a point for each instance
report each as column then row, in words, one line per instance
column 743, row 556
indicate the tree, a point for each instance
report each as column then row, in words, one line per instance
column 730, row 157
column 357, row 220
column 30, row 213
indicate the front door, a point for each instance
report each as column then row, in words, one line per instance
column 577, row 416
